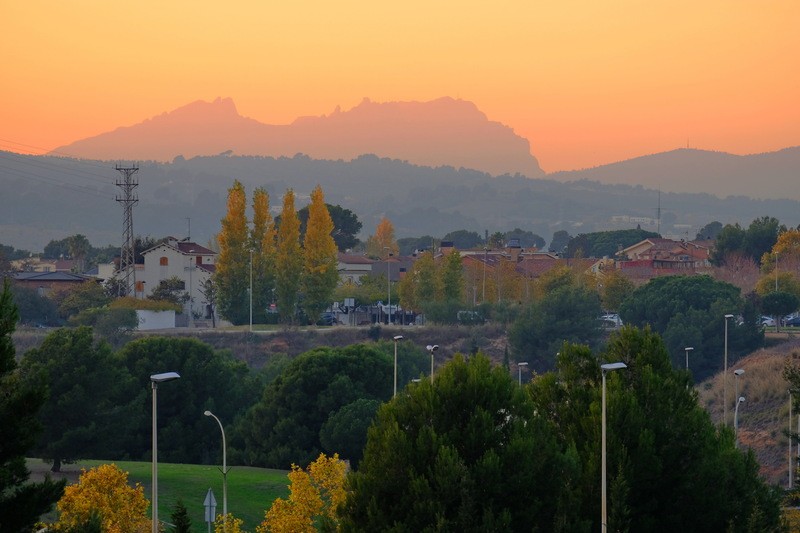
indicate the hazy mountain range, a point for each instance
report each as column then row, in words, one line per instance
column 440, row 132
column 440, row 166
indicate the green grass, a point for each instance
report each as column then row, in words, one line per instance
column 250, row 490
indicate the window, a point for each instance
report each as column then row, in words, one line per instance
column 163, row 261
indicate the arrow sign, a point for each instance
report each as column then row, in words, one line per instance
column 210, row 503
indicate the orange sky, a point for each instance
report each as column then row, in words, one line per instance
column 587, row 82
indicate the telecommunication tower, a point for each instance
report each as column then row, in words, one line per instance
column 128, row 199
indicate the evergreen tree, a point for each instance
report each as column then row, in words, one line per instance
column 664, row 452
column 21, row 397
column 262, row 242
column 181, row 523
column 319, row 252
column 289, row 260
column 466, row 452
column 232, row 269
column 85, row 414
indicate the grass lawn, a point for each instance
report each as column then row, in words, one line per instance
column 250, row 490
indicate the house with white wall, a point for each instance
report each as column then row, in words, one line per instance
column 190, row 262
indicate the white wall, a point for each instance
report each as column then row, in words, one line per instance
column 155, row 320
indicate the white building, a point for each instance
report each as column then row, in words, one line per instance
column 190, row 262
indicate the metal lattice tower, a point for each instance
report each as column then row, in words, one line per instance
column 128, row 199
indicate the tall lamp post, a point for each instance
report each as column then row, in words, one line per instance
column 725, row 376
column 224, row 471
column 432, row 348
column 251, row 290
column 736, row 419
column 388, row 285
column 485, row 259
column 688, row 349
column 396, row 338
column 519, row 371
column 155, row 379
column 603, row 515
column 736, row 375
column 790, row 439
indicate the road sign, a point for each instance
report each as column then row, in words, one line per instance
column 210, row 504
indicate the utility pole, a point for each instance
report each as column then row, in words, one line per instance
column 128, row 199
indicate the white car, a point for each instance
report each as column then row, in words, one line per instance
column 767, row 321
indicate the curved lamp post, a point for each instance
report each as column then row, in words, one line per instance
column 432, row 348
column 519, row 371
column 688, row 349
column 736, row 419
column 155, row 379
column 736, row 375
column 396, row 338
column 224, row 470
column 603, row 515
column 725, row 376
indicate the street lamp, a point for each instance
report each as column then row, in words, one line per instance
column 224, row 471
column 191, row 288
column 736, row 420
column 485, row 258
column 395, row 338
column 432, row 348
column 688, row 349
column 388, row 285
column 605, row 368
column 725, row 376
column 519, row 371
column 155, row 379
column 251, row 290
column 736, row 375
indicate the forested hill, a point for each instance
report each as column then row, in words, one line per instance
column 47, row 198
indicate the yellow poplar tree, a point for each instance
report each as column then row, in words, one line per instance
column 314, row 494
column 383, row 238
column 105, row 491
column 262, row 242
column 288, row 260
column 320, row 256
column 232, row 270
column 451, row 277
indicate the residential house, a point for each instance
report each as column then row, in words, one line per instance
column 190, row 262
column 662, row 257
column 48, row 283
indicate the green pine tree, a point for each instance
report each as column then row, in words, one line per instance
column 21, row 502
column 181, row 523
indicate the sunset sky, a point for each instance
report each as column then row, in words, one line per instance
column 586, row 82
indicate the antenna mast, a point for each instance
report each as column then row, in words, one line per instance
column 128, row 199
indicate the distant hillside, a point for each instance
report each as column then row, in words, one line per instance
column 440, row 132
column 48, row 198
column 768, row 175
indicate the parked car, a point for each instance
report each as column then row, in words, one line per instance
column 327, row 319
column 793, row 321
column 767, row 321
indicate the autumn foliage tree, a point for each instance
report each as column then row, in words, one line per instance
column 383, row 238
column 104, row 491
column 262, row 242
column 320, row 257
column 289, row 259
column 232, row 276
column 315, row 495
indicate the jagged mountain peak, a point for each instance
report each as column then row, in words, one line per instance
column 440, row 132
